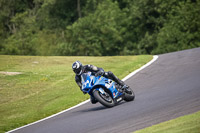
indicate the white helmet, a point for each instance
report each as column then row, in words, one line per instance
column 77, row 67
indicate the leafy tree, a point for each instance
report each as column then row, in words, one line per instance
column 12, row 18
column 98, row 33
column 147, row 18
column 182, row 30
column 95, row 27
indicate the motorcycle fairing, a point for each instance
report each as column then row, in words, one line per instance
column 89, row 82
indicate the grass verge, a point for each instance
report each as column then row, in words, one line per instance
column 185, row 124
column 44, row 86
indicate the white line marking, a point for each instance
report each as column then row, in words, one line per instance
column 50, row 116
column 155, row 57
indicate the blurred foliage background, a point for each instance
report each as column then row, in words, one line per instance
column 98, row 27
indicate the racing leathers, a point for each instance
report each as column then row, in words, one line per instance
column 98, row 72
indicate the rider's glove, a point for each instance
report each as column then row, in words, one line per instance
column 99, row 73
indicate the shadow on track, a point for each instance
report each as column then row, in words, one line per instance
column 98, row 108
column 92, row 109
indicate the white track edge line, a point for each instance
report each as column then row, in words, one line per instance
column 49, row 116
column 155, row 57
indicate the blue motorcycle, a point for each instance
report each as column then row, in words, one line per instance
column 105, row 90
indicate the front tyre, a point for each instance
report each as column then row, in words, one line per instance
column 105, row 99
column 129, row 95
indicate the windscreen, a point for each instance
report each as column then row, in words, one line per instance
column 84, row 76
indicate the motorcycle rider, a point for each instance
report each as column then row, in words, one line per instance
column 78, row 69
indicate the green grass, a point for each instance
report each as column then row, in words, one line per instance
column 185, row 124
column 46, row 85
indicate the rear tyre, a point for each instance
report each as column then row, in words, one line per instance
column 129, row 95
column 104, row 99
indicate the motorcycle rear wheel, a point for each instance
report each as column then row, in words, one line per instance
column 129, row 95
column 104, row 99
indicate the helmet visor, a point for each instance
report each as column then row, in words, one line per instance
column 77, row 71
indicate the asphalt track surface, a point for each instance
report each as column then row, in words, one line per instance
column 168, row 88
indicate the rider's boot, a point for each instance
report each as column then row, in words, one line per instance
column 123, row 87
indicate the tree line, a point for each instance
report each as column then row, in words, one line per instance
column 98, row 27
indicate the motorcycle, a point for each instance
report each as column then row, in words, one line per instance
column 104, row 90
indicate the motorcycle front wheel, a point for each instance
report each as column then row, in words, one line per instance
column 105, row 99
